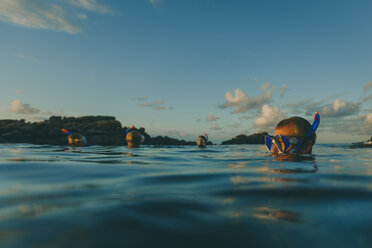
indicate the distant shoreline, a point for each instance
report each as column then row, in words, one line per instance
column 99, row 130
column 104, row 130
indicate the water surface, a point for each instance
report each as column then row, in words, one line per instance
column 221, row 196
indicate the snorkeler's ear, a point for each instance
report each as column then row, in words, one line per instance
column 307, row 147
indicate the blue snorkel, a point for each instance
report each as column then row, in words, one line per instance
column 206, row 136
column 314, row 126
column 288, row 141
column 309, row 132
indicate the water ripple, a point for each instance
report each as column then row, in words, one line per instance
column 56, row 196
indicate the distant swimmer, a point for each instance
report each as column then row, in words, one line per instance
column 293, row 136
column 133, row 137
column 202, row 140
column 75, row 139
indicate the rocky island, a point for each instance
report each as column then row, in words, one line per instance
column 257, row 138
column 99, row 130
column 364, row 144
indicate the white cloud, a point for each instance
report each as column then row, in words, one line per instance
column 92, row 5
column 241, row 103
column 211, row 117
column 282, row 90
column 269, row 117
column 215, row 127
column 305, row 105
column 41, row 14
column 36, row 14
column 19, row 107
column 155, row 105
column 245, row 118
column 173, row 133
column 340, row 108
column 309, row 106
column 82, row 16
column 236, row 124
column 365, row 99
column 265, row 86
column 368, row 121
column 48, row 113
column 367, row 85
column 36, row 118
column 361, row 125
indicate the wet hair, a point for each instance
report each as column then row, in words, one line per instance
column 300, row 125
column 134, row 137
column 76, row 136
column 201, row 141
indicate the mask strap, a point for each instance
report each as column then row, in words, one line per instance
column 268, row 142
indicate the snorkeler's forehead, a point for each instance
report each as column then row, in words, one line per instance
column 289, row 130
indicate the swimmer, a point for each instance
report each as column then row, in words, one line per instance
column 75, row 139
column 133, row 137
column 201, row 141
column 293, row 136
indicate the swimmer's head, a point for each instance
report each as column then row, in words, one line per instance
column 76, row 139
column 293, row 135
column 201, row 141
column 133, row 138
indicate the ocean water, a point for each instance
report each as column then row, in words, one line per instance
column 221, row 196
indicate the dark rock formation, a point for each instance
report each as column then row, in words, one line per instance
column 160, row 140
column 257, row 138
column 365, row 144
column 164, row 140
column 99, row 130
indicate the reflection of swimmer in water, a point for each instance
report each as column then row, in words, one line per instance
column 202, row 140
column 75, row 139
column 293, row 136
column 133, row 137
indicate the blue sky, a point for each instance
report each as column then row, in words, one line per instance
column 182, row 68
